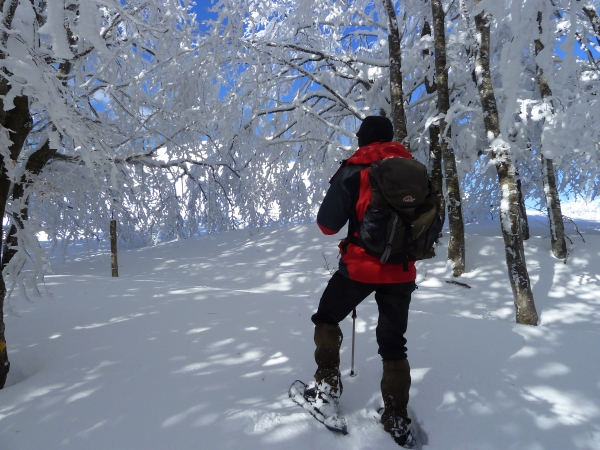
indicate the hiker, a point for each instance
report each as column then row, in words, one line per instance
column 360, row 274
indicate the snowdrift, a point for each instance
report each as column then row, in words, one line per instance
column 198, row 341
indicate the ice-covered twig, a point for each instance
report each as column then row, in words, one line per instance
column 326, row 266
column 458, row 283
column 572, row 222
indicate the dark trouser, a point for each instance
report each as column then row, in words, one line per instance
column 342, row 295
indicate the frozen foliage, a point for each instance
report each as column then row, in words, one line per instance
column 110, row 92
column 175, row 131
column 302, row 73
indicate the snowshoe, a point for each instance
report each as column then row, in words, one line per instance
column 319, row 404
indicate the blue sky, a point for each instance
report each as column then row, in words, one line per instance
column 202, row 6
column 201, row 9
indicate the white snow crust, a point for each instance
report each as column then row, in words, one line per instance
column 195, row 345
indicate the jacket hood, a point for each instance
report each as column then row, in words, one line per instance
column 374, row 152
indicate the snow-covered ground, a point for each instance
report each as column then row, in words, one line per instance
column 197, row 342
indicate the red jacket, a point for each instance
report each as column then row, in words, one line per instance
column 347, row 200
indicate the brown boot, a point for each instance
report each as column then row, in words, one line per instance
column 328, row 339
column 395, row 385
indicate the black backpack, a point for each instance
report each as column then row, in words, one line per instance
column 402, row 222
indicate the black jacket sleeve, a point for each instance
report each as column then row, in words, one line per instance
column 339, row 202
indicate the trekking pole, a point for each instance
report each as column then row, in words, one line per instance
column 352, row 373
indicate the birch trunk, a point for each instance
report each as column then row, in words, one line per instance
column 456, row 245
column 397, row 94
column 509, row 215
column 523, row 210
column 555, row 218
column 437, row 174
column 435, row 150
column 557, row 227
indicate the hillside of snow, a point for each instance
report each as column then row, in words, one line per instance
column 195, row 345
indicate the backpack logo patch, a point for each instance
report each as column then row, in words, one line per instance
column 408, row 199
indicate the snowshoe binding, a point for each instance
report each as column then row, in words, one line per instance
column 320, row 404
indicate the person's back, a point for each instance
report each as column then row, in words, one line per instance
column 346, row 201
column 359, row 275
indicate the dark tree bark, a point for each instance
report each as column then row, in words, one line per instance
column 114, row 260
column 456, row 245
column 18, row 120
column 398, row 113
column 4, row 362
column 435, row 149
column 555, row 218
column 36, row 162
column 509, row 215
column 437, row 173
column 523, row 217
column 10, row 120
column 9, row 7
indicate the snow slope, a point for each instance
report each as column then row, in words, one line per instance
column 196, row 344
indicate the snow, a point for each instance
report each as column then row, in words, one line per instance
column 198, row 341
column 582, row 209
column 54, row 27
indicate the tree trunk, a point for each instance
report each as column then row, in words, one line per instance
column 114, row 262
column 437, row 173
column 19, row 121
column 523, row 210
column 397, row 94
column 509, row 212
column 9, row 14
column 435, row 150
column 34, row 166
column 11, row 120
column 4, row 363
column 456, row 245
column 555, row 218
column 557, row 227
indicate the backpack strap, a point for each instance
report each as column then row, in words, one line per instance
column 407, row 238
column 390, row 243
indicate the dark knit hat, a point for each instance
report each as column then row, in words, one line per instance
column 375, row 129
